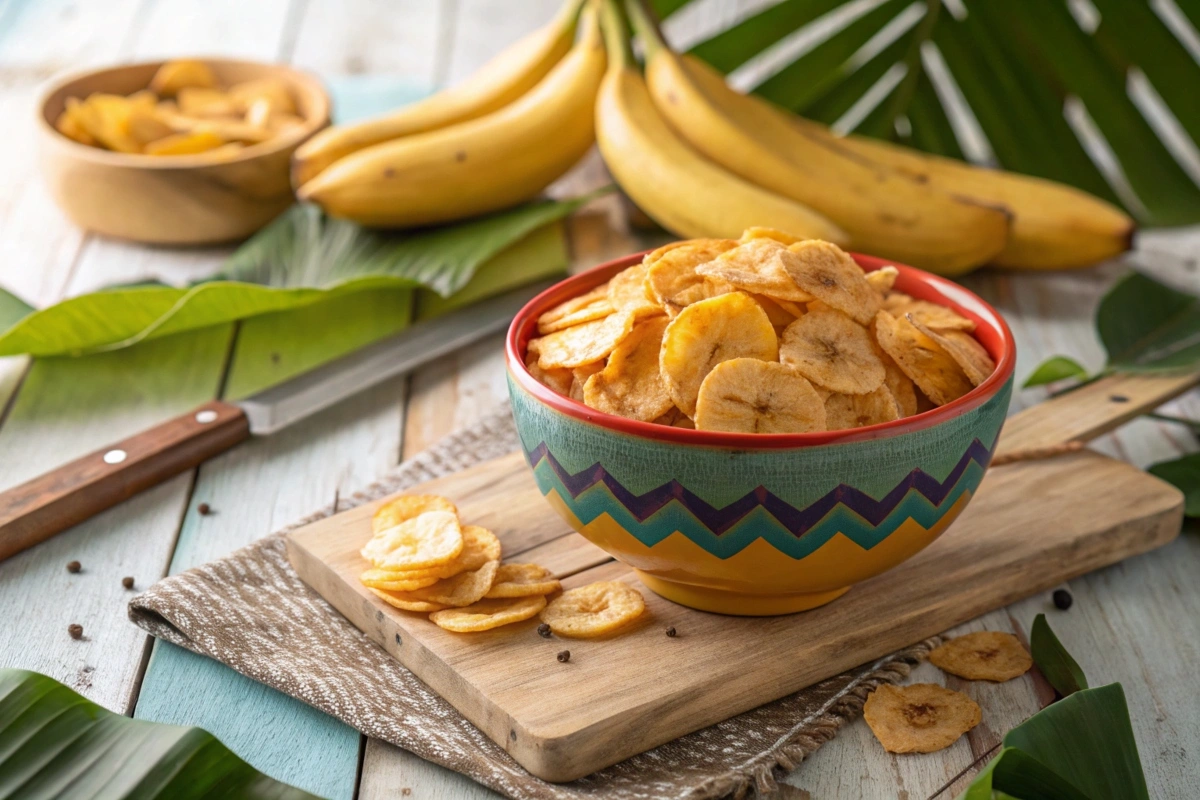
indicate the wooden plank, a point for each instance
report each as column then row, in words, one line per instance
column 990, row 557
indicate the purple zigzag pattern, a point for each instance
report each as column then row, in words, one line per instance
column 797, row 521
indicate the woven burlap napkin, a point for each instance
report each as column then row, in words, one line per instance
column 251, row 612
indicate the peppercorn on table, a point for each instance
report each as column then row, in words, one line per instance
column 1135, row 622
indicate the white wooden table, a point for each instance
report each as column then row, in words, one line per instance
column 1138, row 622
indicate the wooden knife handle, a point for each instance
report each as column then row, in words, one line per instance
column 36, row 510
column 1092, row 410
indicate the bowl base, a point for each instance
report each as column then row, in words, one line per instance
column 737, row 603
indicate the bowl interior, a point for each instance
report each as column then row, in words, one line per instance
column 991, row 331
column 311, row 100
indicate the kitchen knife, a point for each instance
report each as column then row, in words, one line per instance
column 38, row 509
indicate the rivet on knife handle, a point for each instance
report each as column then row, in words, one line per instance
column 38, row 509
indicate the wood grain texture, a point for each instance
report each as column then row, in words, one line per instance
column 80, row 489
column 990, row 557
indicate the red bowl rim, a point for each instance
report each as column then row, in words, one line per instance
column 991, row 329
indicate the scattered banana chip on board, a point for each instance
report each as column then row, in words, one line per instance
column 401, row 601
column 983, row 656
column 488, row 614
column 594, row 610
column 919, row 718
column 395, row 581
column 745, row 395
column 426, row 540
column 463, row 589
column 523, row 580
column 405, row 507
column 871, row 354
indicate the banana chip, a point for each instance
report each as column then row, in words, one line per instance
column 707, row 333
column 830, row 275
column 582, row 344
column 631, row 385
column 844, row 411
column 756, row 266
column 523, row 580
column 983, row 656
column 921, row 718
column 579, row 379
column 750, row 234
column 745, row 395
column 922, row 359
column 594, row 610
column 479, row 547
column 627, row 292
column 559, row 379
column 831, row 350
column 932, row 315
column 461, row 590
column 597, row 309
column 671, row 276
column 488, row 614
column 899, row 384
column 962, row 347
column 427, row 540
column 552, row 320
column 883, row 279
column 396, row 581
column 400, row 601
column 407, row 506
column 779, row 316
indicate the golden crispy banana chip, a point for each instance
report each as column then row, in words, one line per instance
column 400, row 601
column 883, row 279
column 488, row 614
column 745, row 395
column 594, row 610
column 631, row 385
column 940, row 318
column 523, row 580
column 463, row 589
column 582, row 344
column 479, row 547
column 921, row 718
column 964, row 349
column 427, row 540
column 597, row 309
column 899, row 384
column 671, row 277
column 830, row 275
column 395, row 581
column 558, row 379
column 707, row 333
column 833, row 351
column 845, row 411
column 780, row 316
column 627, row 292
column 405, row 507
column 922, row 359
column 756, row 266
column 579, row 378
column 552, row 320
column 750, row 234
column 983, row 656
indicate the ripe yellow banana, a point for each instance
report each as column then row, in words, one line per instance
column 512, row 73
column 1054, row 226
column 477, row 166
column 885, row 212
column 680, row 189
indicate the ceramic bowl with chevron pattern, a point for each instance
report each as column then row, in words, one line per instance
column 769, row 523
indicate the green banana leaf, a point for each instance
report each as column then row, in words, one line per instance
column 300, row 259
column 1052, row 659
column 55, row 743
column 1053, row 369
column 1184, row 473
column 1043, row 82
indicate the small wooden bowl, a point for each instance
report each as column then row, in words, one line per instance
column 175, row 200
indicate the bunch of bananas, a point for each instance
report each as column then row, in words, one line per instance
column 699, row 157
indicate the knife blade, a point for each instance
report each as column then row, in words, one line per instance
column 38, row 509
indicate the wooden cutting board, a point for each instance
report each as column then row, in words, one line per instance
column 1032, row 526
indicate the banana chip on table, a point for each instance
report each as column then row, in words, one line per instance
column 594, row 610
column 830, row 275
column 427, row 540
column 479, row 547
column 631, row 385
column 983, row 656
column 832, row 351
column 745, row 395
column 919, row 718
column 523, row 580
column 405, row 507
column 489, row 613
column 922, row 359
column 461, row 590
column 706, row 333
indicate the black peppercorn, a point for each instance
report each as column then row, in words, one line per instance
column 672, row 632
column 1062, row 599
column 74, row 566
column 76, row 631
column 543, row 630
column 564, row 656
column 204, row 508
column 127, row 582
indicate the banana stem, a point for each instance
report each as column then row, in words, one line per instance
column 616, row 35
column 568, row 14
column 645, row 26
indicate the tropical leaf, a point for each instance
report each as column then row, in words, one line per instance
column 56, row 743
column 300, row 259
column 1017, row 775
column 1081, row 93
column 1184, row 473
column 1053, row 660
column 1053, row 369
column 1145, row 325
